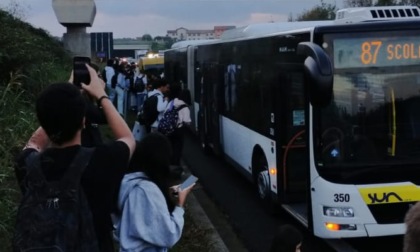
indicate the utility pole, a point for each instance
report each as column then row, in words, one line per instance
column 76, row 15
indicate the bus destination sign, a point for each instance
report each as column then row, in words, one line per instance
column 376, row 52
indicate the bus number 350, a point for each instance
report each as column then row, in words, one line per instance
column 341, row 197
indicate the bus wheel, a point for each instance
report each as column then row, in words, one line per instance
column 263, row 184
column 262, row 180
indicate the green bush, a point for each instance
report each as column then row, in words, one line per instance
column 30, row 59
column 17, row 122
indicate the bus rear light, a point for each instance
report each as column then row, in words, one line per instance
column 338, row 211
column 338, row 227
column 273, row 171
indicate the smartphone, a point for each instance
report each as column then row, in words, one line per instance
column 80, row 71
column 188, row 182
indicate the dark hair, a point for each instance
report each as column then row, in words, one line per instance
column 412, row 222
column 175, row 91
column 110, row 62
column 157, row 83
column 186, row 96
column 286, row 239
column 60, row 109
column 152, row 156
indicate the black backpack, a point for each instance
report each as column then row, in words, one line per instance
column 55, row 215
column 148, row 112
column 139, row 85
column 114, row 80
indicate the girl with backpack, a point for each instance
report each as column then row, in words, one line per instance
column 179, row 100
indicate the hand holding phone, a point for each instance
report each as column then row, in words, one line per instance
column 181, row 191
column 80, row 71
column 188, row 182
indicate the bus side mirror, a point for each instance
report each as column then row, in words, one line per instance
column 318, row 73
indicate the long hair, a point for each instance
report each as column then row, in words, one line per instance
column 286, row 239
column 411, row 236
column 152, row 156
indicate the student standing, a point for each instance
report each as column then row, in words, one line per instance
column 160, row 91
column 149, row 220
column 60, row 110
column 184, row 119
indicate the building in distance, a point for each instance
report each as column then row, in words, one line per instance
column 185, row 34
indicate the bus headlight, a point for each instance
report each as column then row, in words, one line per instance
column 338, row 211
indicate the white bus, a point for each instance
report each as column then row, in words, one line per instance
column 324, row 117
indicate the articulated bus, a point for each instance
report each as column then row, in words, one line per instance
column 324, row 117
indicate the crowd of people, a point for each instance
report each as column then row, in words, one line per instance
column 124, row 184
column 81, row 193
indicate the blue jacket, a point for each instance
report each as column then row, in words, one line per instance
column 145, row 223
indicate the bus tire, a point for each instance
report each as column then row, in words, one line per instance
column 262, row 181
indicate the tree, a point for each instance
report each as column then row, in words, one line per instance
column 411, row 2
column 147, row 37
column 322, row 11
column 17, row 9
column 168, row 42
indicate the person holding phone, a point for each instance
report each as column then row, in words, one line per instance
column 94, row 115
column 60, row 110
column 148, row 218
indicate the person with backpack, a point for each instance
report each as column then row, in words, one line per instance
column 150, row 218
column 174, row 122
column 139, row 88
column 154, row 106
column 69, row 191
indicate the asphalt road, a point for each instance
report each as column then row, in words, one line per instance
column 242, row 221
column 235, row 201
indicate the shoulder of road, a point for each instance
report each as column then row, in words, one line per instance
column 218, row 230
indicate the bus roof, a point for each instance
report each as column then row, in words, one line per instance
column 186, row 43
column 378, row 13
column 344, row 16
column 256, row 30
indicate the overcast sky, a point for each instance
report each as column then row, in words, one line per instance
column 133, row 18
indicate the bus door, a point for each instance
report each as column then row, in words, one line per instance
column 293, row 154
column 211, row 102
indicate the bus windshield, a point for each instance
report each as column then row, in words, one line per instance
column 374, row 117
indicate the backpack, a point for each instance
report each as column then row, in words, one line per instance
column 148, row 112
column 114, row 80
column 169, row 121
column 55, row 215
column 104, row 75
column 138, row 86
